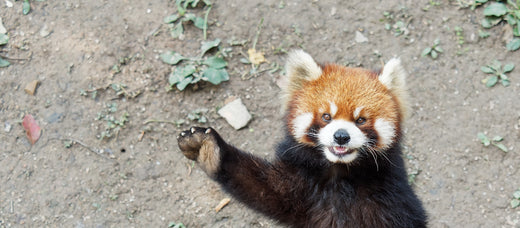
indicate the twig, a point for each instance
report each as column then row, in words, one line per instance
column 205, row 28
column 259, row 29
column 159, row 121
column 17, row 59
column 95, row 151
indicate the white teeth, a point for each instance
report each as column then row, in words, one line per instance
column 192, row 130
column 208, row 131
column 183, row 134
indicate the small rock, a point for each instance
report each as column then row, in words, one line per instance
column 2, row 28
column 7, row 127
column 31, row 87
column 360, row 38
column 8, row 3
column 235, row 113
column 44, row 31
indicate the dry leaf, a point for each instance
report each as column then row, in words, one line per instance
column 255, row 57
column 32, row 129
column 222, row 204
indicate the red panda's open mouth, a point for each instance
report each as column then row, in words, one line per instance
column 340, row 150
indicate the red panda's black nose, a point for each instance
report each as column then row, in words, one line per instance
column 341, row 137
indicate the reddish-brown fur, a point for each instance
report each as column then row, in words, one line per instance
column 303, row 188
column 348, row 88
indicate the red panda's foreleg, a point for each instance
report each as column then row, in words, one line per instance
column 273, row 189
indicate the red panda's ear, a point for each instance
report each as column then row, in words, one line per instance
column 393, row 77
column 301, row 66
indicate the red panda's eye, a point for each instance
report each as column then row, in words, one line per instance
column 361, row 121
column 326, row 117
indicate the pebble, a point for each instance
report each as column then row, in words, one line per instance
column 7, row 127
column 235, row 113
column 31, row 87
column 44, row 31
column 2, row 28
column 8, row 3
column 360, row 38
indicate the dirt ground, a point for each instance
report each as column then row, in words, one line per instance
column 139, row 178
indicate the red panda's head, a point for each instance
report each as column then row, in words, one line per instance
column 344, row 111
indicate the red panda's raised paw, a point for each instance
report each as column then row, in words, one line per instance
column 200, row 144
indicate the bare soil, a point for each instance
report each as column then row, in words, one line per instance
column 140, row 179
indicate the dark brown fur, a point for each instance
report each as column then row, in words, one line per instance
column 301, row 189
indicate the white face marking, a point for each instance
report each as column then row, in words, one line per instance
column 357, row 111
column 301, row 123
column 333, row 109
column 386, row 131
column 326, row 138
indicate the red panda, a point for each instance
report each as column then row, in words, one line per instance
column 340, row 163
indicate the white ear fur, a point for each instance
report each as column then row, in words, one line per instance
column 301, row 65
column 394, row 78
column 393, row 75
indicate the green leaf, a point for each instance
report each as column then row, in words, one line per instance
column 198, row 22
column 180, row 73
column 491, row 21
column 516, row 194
column 215, row 62
column 439, row 49
column 434, row 54
column 498, row 138
column 4, row 63
column 515, row 203
column 483, row 34
column 194, row 3
column 502, row 147
column 487, row 70
column 215, row 76
column 436, row 42
column 4, row 38
column 496, row 65
column 189, row 17
column 505, row 82
column 177, row 30
column 510, row 19
column 491, row 81
column 495, row 9
column 483, row 139
column 172, row 57
column 246, row 61
column 171, row 19
column 26, row 7
column 185, row 82
column 513, row 45
column 516, row 30
column 426, row 51
column 509, row 67
column 206, row 46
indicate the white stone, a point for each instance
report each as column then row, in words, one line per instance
column 2, row 28
column 235, row 113
column 360, row 38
